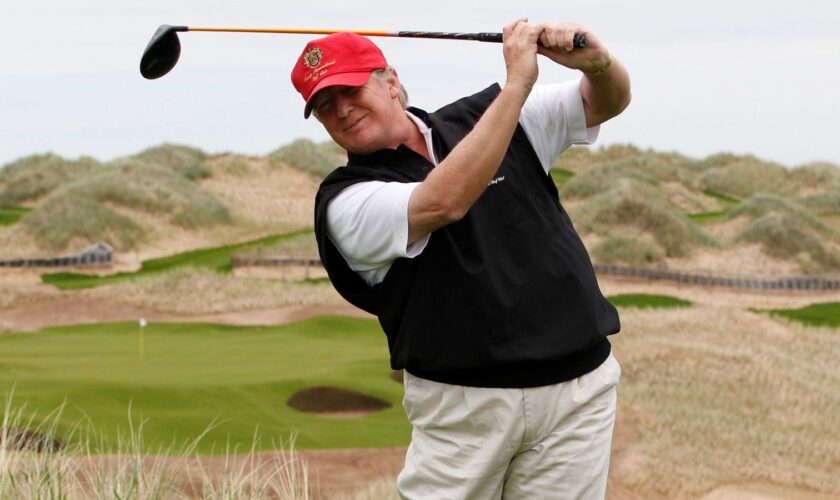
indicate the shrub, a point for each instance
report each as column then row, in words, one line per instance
column 303, row 154
column 37, row 175
column 185, row 160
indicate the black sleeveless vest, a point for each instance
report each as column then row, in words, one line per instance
column 505, row 297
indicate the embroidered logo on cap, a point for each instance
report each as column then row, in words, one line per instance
column 312, row 57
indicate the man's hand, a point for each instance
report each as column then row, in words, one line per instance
column 556, row 43
column 520, row 51
column 605, row 86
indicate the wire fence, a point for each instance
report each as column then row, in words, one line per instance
column 791, row 283
column 99, row 254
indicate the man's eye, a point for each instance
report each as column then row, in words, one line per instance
column 323, row 104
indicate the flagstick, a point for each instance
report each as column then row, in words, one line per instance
column 143, row 324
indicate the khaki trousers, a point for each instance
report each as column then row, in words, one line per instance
column 536, row 443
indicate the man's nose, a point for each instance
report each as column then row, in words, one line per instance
column 343, row 106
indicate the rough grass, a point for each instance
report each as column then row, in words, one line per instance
column 88, row 209
column 32, row 177
column 319, row 159
column 184, row 160
column 724, row 396
column 203, row 291
column 192, row 375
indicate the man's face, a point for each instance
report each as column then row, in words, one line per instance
column 360, row 119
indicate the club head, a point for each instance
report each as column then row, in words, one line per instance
column 162, row 53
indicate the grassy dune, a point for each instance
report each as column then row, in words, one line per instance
column 237, row 379
column 721, row 395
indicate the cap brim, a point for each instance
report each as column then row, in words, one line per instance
column 345, row 79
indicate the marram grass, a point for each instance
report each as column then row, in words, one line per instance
column 76, row 468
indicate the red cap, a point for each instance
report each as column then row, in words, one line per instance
column 337, row 59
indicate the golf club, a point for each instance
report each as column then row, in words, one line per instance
column 164, row 48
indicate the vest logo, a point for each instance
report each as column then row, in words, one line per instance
column 496, row 181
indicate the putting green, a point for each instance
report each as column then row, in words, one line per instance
column 192, row 375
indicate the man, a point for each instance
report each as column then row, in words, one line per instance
column 448, row 227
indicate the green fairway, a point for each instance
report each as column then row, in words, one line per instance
column 643, row 300
column 193, row 375
column 824, row 314
column 217, row 259
column 560, row 176
column 10, row 215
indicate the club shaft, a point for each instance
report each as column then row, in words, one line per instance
column 580, row 40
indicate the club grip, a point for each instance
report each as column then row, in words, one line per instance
column 579, row 40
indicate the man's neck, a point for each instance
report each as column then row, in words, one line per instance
column 414, row 140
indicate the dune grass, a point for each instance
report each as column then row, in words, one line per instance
column 741, row 177
column 823, row 314
column 89, row 207
column 319, row 159
column 633, row 204
column 35, row 176
column 216, row 258
column 77, row 471
column 191, row 376
column 647, row 301
column 185, row 160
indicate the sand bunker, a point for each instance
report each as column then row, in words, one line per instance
column 335, row 402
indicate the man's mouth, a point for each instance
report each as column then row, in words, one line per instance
column 354, row 123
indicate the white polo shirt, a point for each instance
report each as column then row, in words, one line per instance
column 368, row 221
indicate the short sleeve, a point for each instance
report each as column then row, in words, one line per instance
column 368, row 224
column 554, row 119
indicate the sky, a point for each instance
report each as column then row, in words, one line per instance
column 713, row 76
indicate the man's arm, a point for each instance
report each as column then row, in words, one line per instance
column 605, row 86
column 455, row 184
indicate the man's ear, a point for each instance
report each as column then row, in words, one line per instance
column 393, row 83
